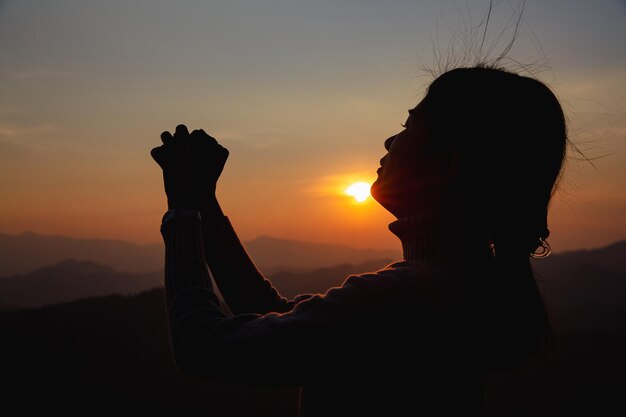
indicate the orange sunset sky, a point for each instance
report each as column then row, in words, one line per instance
column 303, row 94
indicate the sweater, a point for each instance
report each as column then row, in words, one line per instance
column 403, row 340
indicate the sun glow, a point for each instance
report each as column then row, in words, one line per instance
column 359, row 190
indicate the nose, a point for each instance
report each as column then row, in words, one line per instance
column 389, row 141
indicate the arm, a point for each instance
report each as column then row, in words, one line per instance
column 248, row 348
column 191, row 165
column 244, row 288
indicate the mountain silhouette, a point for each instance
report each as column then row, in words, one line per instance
column 610, row 257
column 320, row 280
column 587, row 289
column 272, row 254
column 20, row 254
column 70, row 280
column 25, row 253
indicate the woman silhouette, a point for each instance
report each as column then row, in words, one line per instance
column 469, row 180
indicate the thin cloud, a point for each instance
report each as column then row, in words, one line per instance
column 28, row 136
column 335, row 184
column 257, row 138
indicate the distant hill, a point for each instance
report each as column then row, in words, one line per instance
column 21, row 254
column 274, row 254
column 586, row 288
column 566, row 280
column 320, row 280
column 611, row 258
column 71, row 280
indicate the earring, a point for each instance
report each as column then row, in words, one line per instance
column 544, row 252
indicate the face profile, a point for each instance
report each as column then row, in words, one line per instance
column 412, row 178
column 398, row 172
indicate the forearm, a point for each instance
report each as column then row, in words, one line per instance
column 204, row 342
column 243, row 286
column 185, row 266
column 188, row 289
column 248, row 348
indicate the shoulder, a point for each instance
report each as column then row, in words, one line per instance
column 401, row 274
column 412, row 281
column 401, row 291
column 393, row 283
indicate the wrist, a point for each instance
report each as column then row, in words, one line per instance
column 211, row 207
column 186, row 203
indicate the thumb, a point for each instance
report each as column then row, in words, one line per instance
column 158, row 155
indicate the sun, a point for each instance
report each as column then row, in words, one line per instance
column 359, row 190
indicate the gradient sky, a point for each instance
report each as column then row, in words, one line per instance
column 303, row 93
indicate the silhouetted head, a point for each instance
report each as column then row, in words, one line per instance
column 485, row 144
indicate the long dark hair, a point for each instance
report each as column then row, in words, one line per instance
column 508, row 135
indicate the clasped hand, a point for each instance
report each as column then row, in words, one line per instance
column 191, row 163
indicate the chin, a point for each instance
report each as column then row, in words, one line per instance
column 383, row 194
column 375, row 190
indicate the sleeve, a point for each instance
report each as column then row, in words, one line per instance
column 269, row 349
column 242, row 285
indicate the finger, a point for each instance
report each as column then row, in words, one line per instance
column 209, row 137
column 220, row 155
column 225, row 152
column 181, row 132
column 158, row 155
column 205, row 134
column 166, row 138
column 201, row 137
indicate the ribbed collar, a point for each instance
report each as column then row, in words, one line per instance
column 439, row 238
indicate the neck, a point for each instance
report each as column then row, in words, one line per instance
column 439, row 238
